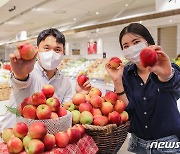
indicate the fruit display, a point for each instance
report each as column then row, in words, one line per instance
column 7, row 66
column 75, row 67
column 93, row 68
column 42, row 105
column 176, row 60
column 4, row 75
column 35, row 139
column 97, row 69
column 94, row 109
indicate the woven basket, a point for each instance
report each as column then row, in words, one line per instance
column 53, row 125
column 5, row 91
column 110, row 138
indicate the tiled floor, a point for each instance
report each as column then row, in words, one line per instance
column 123, row 149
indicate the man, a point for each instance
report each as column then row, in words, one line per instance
column 29, row 76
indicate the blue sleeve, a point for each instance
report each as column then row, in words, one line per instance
column 173, row 84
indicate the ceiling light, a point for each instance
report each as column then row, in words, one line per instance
column 13, row 23
column 140, row 22
column 97, row 13
column 126, row 5
column 74, row 19
column 97, row 30
column 3, row 2
column 170, row 20
column 60, row 11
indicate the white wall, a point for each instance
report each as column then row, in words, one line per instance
column 163, row 5
column 108, row 43
column 178, row 39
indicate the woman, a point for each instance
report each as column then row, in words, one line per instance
column 151, row 93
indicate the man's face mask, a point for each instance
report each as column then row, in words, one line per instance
column 132, row 53
column 50, row 60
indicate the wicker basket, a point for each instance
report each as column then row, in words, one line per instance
column 110, row 138
column 53, row 125
column 5, row 91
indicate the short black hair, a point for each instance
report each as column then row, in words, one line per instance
column 60, row 38
column 138, row 29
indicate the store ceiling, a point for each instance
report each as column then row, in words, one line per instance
column 35, row 15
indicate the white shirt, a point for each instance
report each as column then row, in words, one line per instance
column 37, row 78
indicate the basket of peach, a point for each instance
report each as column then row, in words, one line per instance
column 104, row 118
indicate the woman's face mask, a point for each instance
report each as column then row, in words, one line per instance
column 132, row 53
column 50, row 60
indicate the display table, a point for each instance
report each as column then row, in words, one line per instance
column 85, row 145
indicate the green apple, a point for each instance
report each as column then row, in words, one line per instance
column 7, row 134
column 86, row 117
column 75, row 116
column 69, row 106
column 26, row 140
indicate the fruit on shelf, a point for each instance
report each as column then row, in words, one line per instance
column 148, row 57
column 27, row 51
column 114, row 62
column 7, row 67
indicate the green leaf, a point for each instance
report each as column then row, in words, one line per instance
column 14, row 111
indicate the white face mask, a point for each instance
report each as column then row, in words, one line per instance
column 50, row 59
column 132, row 53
